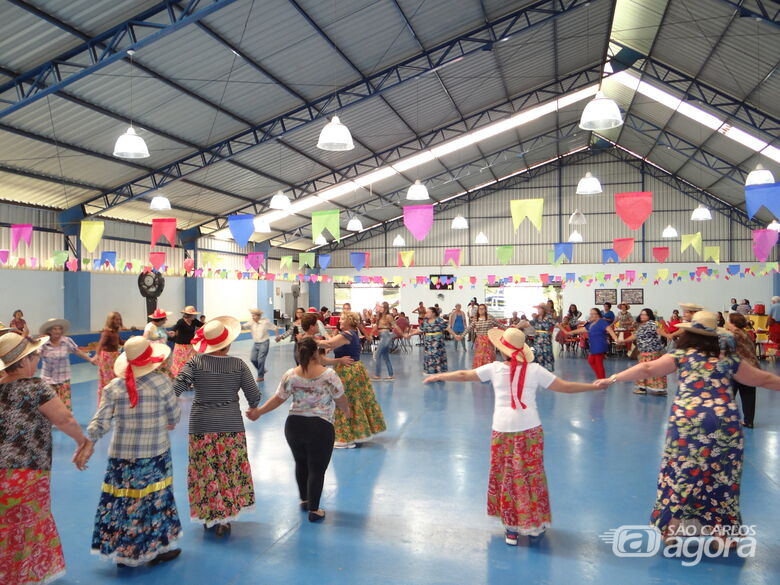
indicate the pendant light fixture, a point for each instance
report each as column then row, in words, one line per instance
column 774, row 226
column 601, row 113
column 160, row 203
column 577, row 218
column 335, row 137
column 669, row 232
column 399, row 241
column 261, row 225
column 460, row 223
column 320, row 240
column 575, row 237
column 759, row 176
column 481, row 238
column 417, row 192
column 355, row 225
column 280, row 201
column 701, row 213
column 588, row 185
column 129, row 144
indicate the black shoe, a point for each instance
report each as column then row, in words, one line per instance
column 314, row 517
column 222, row 530
column 304, row 506
column 747, row 425
column 164, row 557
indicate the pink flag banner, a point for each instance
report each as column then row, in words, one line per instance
column 21, row 262
column 20, row 231
column 157, row 259
column 452, row 255
column 763, row 242
column 4, row 254
column 623, row 247
column 72, row 264
column 164, row 227
column 189, row 264
column 254, row 260
column 418, row 219
column 661, row 254
column 634, row 208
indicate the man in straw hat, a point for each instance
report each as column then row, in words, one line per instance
column 260, row 341
column 183, row 332
column 55, row 358
column 136, row 520
column 30, row 550
column 702, row 458
column 517, row 489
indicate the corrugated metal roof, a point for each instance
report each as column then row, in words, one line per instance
column 26, row 40
column 435, row 20
column 33, row 191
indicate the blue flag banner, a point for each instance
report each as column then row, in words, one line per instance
column 608, row 254
column 358, row 260
column 564, row 249
column 324, row 261
column 733, row 269
column 767, row 195
column 109, row 257
column 241, row 228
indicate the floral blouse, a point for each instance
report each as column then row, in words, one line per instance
column 482, row 326
column 25, row 435
column 546, row 323
column 746, row 347
column 647, row 338
column 314, row 397
column 438, row 326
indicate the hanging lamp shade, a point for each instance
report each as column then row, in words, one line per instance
column 701, row 213
column 320, row 240
column 669, row 232
column 575, row 237
column 601, row 113
column 759, row 176
column 399, row 241
column 354, row 225
column 130, row 145
column 774, row 226
column 160, row 203
column 417, row 192
column 481, row 238
column 577, row 218
column 261, row 225
column 280, row 201
column 588, row 185
column 459, row 223
column 335, row 136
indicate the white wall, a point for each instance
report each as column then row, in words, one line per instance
column 37, row 293
column 119, row 292
column 233, row 298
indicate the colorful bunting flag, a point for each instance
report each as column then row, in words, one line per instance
column 406, row 258
column 767, row 195
column 157, row 259
column 4, row 255
column 691, row 240
column 623, row 247
column 358, row 260
column 661, row 254
column 91, row 233
column 59, row 257
column 452, row 255
column 322, row 220
column 634, row 208
column 533, row 209
column 165, row 226
column 324, row 261
column 305, row 259
column 285, row 262
column 563, row 249
column 763, row 242
column 712, row 253
column 504, row 254
column 21, row 231
column 189, row 264
column 418, row 219
column 109, row 257
column 241, row 228
column 608, row 254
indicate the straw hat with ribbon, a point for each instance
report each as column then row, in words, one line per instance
column 139, row 358
column 51, row 323
column 256, row 312
column 189, row 310
column 703, row 323
column 159, row 315
column 216, row 334
column 692, row 307
column 511, row 342
column 15, row 347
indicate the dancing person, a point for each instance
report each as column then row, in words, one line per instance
column 293, row 332
column 434, row 352
column 457, row 324
column 701, row 467
column 107, row 350
column 366, row 418
column 574, row 315
column 316, row 392
column 607, row 313
column 774, row 320
column 137, row 521
column 517, row 488
column 484, row 352
column 30, row 549
column 674, row 321
column 18, row 322
column 543, row 324
column 259, row 327
column 182, row 333
column 597, row 328
column 688, row 311
column 550, row 308
column 219, row 478
column 155, row 330
column 386, row 328
column 650, row 345
column 55, row 358
column 420, row 310
column 746, row 350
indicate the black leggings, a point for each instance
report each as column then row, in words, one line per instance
column 311, row 442
column 748, row 394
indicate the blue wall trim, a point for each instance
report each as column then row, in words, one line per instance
column 77, row 299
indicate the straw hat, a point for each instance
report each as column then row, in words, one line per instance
column 507, row 341
column 216, row 334
column 160, row 314
column 15, row 347
column 137, row 347
column 256, row 311
column 703, row 323
column 692, row 307
column 190, row 310
column 51, row 323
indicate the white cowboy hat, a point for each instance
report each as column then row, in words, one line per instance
column 15, row 347
column 51, row 323
column 216, row 334
column 189, row 310
column 692, row 307
column 256, row 311
column 703, row 323
column 136, row 347
column 508, row 341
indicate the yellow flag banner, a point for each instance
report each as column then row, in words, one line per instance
column 712, row 253
column 91, row 234
column 691, row 240
column 407, row 257
column 663, row 274
column 209, row 258
column 530, row 208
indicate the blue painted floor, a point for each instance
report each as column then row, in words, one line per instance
column 409, row 508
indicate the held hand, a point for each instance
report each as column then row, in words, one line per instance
column 278, row 338
column 348, row 413
column 82, row 454
column 253, row 414
column 93, row 361
column 345, row 360
column 432, row 378
column 171, row 427
column 602, row 383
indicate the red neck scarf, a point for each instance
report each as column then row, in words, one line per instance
column 201, row 342
column 512, row 369
column 144, row 359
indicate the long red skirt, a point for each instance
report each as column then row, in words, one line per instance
column 484, row 352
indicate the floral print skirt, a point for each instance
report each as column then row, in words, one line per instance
column 219, row 478
column 517, row 488
column 30, row 550
column 658, row 383
column 434, row 354
column 180, row 356
column 106, row 361
column 367, row 418
column 136, row 519
column 63, row 392
column 484, row 352
column 543, row 351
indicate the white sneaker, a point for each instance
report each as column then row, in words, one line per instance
column 338, row 445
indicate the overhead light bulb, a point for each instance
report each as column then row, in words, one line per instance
column 481, row 238
column 774, row 226
column 417, row 192
column 320, row 240
column 759, row 176
column 601, row 113
column 355, row 225
column 130, row 145
column 160, row 203
column 280, row 201
column 577, row 218
column 460, row 223
column 399, row 241
column 701, row 213
column 588, row 185
column 261, row 225
column 335, row 136
column 575, row 237
column 669, row 232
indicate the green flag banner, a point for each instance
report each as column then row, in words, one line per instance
column 504, row 254
column 328, row 219
column 305, row 259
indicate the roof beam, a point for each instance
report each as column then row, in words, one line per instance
column 101, row 51
column 763, row 10
column 437, row 57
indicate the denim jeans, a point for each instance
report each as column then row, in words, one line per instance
column 383, row 352
column 462, row 341
column 258, row 355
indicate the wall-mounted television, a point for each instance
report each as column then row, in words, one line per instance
column 442, row 282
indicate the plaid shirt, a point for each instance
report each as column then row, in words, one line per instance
column 141, row 431
column 55, row 360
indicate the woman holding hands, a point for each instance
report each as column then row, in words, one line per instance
column 435, row 353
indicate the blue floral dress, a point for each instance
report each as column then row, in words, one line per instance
column 435, row 354
column 543, row 349
column 702, row 461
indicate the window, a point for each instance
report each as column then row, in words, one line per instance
column 501, row 301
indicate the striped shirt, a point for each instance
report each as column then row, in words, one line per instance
column 141, row 431
column 216, row 381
